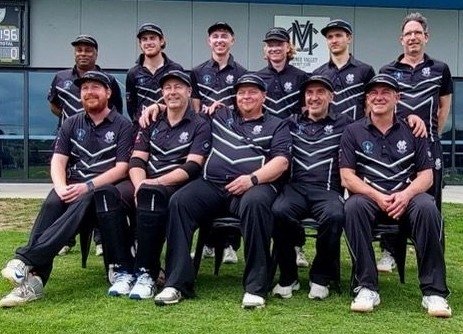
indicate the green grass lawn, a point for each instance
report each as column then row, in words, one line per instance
column 76, row 300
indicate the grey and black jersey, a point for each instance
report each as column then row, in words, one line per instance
column 211, row 84
column 94, row 149
column 283, row 90
column 349, row 86
column 420, row 89
column 241, row 147
column 168, row 146
column 387, row 162
column 66, row 95
column 316, row 150
column 142, row 87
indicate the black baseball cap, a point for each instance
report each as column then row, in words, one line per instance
column 337, row 24
column 250, row 78
column 93, row 76
column 317, row 79
column 220, row 26
column 176, row 74
column 85, row 39
column 150, row 27
column 277, row 34
column 382, row 79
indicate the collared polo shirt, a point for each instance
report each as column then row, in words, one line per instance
column 94, row 149
column 211, row 84
column 386, row 162
column 420, row 89
column 142, row 87
column 316, row 149
column 349, row 86
column 66, row 95
column 283, row 90
column 169, row 146
column 241, row 147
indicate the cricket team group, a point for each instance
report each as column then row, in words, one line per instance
column 343, row 145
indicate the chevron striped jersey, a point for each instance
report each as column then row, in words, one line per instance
column 169, row 146
column 211, row 84
column 241, row 147
column 316, row 150
column 420, row 89
column 66, row 95
column 348, row 83
column 142, row 87
column 92, row 150
column 283, row 90
column 389, row 162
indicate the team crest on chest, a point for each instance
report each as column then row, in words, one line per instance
column 401, row 146
column 288, row 87
column 154, row 133
column 438, row 164
column 183, row 138
column 109, row 137
column 328, row 129
column 350, row 78
column 67, row 84
column 230, row 123
column 398, row 75
column 207, row 79
column 230, row 79
column 367, row 147
column 80, row 134
column 426, row 71
column 257, row 130
column 300, row 129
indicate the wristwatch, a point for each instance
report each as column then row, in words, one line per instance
column 90, row 185
column 254, row 180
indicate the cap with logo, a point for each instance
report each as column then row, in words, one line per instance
column 337, row 24
column 220, row 26
column 382, row 79
column 93, row 76
column 277, row 34
column 250, row 78
column 85, row 39
column 326, row 82
column 175, row 74
column 150, row 27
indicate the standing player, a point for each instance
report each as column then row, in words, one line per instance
column 142, row 82
column 348, row 74
column 212, row 83
column 91, row 156
column 64, row 98
column 426, row 89
column 282, row 79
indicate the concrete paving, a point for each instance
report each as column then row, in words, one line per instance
column 451, row 194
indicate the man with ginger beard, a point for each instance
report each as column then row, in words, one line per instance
column 250, row 151
column 64, row 98
column 142, row 82
column 91, row 154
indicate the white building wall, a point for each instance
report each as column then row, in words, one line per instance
column 114, row 23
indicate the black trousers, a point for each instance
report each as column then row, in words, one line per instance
column 197, row 203
column 422, row 222
column 435, row 190
column 56, row 223
column 152, row 215
column 298, row 201
column 114, row 206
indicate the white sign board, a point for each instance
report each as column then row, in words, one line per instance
column 309, row 41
